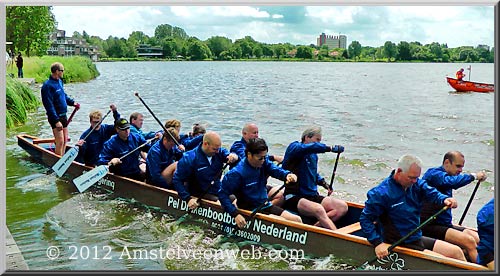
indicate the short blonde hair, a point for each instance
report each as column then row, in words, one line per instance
column 95, row 114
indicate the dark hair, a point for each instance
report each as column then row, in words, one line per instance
column 256, row 145
column 452, row 156
column 198, row 129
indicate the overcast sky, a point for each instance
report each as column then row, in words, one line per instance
column 369, row 25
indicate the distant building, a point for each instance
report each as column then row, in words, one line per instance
column 71, row 46
column 331, row 41
column 486, row 47
column 145, row 50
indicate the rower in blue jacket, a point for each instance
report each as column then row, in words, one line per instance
column 92, row 146
column 302, row 197
column 446, row 178
column 486, row 229
column 393, row 207
column 118, row 146
column 162, row 160
column 198, row 171
column 248, row 180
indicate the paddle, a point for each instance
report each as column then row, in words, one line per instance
column 71, row 118
column 154, row 116
column 333, row 174
column 469, row 203
column 469, row 71
column 256, row 210
column 73, row 114
column 84, row 181
column 63, row 164
column 363, row 266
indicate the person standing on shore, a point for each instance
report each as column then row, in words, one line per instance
column 19, row 64
column 56, row 102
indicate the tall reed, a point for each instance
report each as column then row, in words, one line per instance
column 20, row 99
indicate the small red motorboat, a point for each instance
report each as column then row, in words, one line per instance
column 470, row 86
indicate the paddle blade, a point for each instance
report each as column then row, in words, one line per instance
column 63, row 164
column 84, row 181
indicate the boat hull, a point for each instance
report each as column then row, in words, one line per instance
column 346, row 243
column 469, row 86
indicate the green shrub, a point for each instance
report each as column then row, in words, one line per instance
column 20, row 99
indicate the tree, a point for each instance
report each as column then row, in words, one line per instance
column 28, row 27
column 267, row 51
column 279, row 50
column 257, row 51
column 404, row 51
column 219, row 44
column 304, row 52
column 170, row 47
column 354, row 49
column 389, row 50
column 138, row 37
column 436, row 51
column 246, row 48
column 197, row 50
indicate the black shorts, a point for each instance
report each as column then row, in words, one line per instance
column 486, row 259
column 292, row 202
column 438, row 231
column 422, row 244
column 272, row 209
column 62, row 119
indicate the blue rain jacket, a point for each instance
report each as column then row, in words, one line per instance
column 90, row 150
column 195, row 169
column 396, row 210
column 302, row 160
column 248, row 184
column 55, row 100
column 190, row 142
column 158, row 159
column 116, row 147
column 146, row 136
column 486, row 231
column 437, row 177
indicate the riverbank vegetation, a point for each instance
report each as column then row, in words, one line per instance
column 20, row 100
column 173, row 43
column 76, row 68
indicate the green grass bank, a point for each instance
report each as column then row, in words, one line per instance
column 21, row 98
column 76, row 68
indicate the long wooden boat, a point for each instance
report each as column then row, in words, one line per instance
column 470, row 86
column 346, row 243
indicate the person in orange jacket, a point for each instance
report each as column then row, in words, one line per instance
column 460, row 74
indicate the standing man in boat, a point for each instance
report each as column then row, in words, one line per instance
column 445, row 179
column 486, row 229
column 119, row 145
column 198, row 171
column 251, row 131
column 162, row 160
column 460, row 74
column 248, row 180
column 393, row 209
column 302, row 197
column 56, row 103
column 91, row 147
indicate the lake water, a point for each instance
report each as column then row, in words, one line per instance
column 377, row 111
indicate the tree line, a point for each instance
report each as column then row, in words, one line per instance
column 29, row 28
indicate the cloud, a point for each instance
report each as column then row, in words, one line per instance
column 369, row 25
